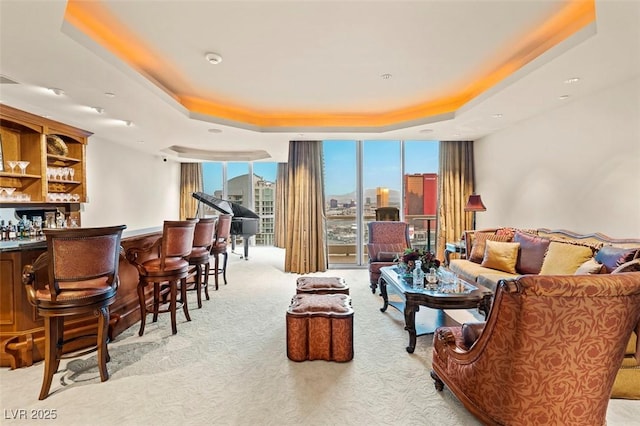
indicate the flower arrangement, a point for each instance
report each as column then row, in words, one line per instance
column 409, row 257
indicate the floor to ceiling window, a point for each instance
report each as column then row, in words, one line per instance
column 230, row 181
column 340, row 194
column 361, row 176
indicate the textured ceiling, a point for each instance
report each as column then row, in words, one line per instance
column 307, row 69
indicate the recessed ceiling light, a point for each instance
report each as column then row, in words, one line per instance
column 214, row 130
column 140, row 142
column 213, row 58
column 386, row 76
column 572, row 80
column 128, row 123
column 110, row 94
column 563, row 97
column 497, row 116
column 57, row 91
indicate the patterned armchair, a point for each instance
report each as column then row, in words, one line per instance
column 549, row 352
column 386, row 240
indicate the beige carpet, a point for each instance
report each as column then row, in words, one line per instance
column 228, row 366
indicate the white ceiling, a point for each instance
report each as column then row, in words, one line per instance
column 307, row 57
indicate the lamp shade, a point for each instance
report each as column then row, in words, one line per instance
column 474, row 204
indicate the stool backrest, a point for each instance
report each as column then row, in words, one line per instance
column 223, row 228
column 177, row 238
column 82, row 257
column 204, row 232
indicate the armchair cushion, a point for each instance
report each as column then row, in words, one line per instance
column 385, row 252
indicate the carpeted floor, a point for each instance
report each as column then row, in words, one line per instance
column 228, row 366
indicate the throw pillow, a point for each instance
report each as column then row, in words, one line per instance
column 532, row 251
column 564, row 259
column 612, row 257
column 477, row 250
column 376, row 250
column 590, row 267
column 501, row 256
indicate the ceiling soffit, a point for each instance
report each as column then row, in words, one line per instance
column 99, row 24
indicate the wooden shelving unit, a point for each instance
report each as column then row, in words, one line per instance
column 24, row 138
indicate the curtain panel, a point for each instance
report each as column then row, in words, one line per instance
column 455, row 185
column 280, row 225
column 305, row 248
column 190, row 182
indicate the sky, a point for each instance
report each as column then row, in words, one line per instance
column 381, row 165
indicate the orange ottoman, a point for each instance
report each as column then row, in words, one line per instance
column 321, row 285
column 320, row 326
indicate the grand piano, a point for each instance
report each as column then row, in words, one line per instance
column 244, row 222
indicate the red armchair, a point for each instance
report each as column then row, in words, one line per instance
column 549, row 352
column 387, row 239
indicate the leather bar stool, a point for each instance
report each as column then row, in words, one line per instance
column 199, row 256
column 82, row 279
column 219, row 247
column 165, row 272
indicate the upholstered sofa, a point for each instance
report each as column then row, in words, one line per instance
column 504, row 253
column 549, row 353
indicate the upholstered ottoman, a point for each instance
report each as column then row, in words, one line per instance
column 320, row 326
column 321, row 285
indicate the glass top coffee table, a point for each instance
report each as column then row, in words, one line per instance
column 471, row 296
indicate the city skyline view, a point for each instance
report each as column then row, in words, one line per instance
column 381, row 166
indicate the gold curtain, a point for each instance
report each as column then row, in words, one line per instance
column 305, row 249
column 280, row 226
column 455, row 185
column 190, row 182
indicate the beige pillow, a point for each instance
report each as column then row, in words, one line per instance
column 477, row 250
column 589, row 267
column 501, row 256
column 564, row 259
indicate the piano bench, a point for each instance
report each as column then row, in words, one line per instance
column 321, row 285
column 320, row 327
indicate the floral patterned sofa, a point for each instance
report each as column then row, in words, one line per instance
column 503, row 253
column 549, row 353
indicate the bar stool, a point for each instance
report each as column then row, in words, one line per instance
column 219, row 247
column 199, row 256
column 82, row 279
column 164, row 271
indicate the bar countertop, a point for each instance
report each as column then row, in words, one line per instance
column 41, row 243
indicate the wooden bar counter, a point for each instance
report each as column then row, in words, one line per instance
column 22, row 329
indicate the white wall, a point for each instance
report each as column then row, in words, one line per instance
column 576, row 167
column 128, row 187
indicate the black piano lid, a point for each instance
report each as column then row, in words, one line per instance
column 224, row 206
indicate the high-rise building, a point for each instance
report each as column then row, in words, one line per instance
column 421, row 194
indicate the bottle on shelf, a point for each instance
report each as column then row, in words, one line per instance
column 11, row 233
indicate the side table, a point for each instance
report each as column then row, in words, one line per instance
column 455, row 247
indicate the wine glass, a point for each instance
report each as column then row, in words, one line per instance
column 23, row 166
column 72, row 172
column 65, row 173
column 9, row 192
column 12, row 164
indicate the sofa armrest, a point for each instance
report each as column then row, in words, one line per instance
column 631, row 266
